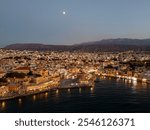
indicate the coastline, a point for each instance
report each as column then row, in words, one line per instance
column 133, row 79
column 38, row 92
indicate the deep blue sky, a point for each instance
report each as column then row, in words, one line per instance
column 42, row 21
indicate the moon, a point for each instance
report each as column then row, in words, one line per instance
column 64, row 12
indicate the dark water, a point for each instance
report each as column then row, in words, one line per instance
column 108, row 95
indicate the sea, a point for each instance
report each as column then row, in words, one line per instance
column 108, row 95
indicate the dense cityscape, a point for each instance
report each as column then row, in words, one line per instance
column 28, row 72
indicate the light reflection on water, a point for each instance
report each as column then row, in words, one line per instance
column 133, row 84
column 34, row 97
column 69, row 90
column 144, row 85
column 40, row 96
column 130, row 81
column 2, row 105
column 20, row 101
column 57, row 92
column 56, row 97
column 80, row 90
column 104, row 92
column 92, row 89
column 46, row 94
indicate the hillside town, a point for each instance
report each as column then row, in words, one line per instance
column 27, row 72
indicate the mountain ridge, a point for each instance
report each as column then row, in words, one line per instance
column 120, row 44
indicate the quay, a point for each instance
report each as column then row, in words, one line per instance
column 42, row 91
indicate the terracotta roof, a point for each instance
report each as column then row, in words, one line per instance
column 2, row 72
column 23, row 68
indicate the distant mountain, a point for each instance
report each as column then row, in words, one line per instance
column 103, row 45
column 37, row 47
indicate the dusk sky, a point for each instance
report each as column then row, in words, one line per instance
column 72, row 21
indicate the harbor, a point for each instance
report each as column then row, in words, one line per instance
column 108, row 95
column 66, row 84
